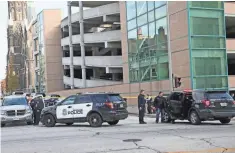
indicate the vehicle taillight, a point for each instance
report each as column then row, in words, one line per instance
column 206, row 103
column 233, row 102
column 109, row 105
column 187, row 90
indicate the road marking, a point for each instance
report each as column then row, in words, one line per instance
column 216, row 150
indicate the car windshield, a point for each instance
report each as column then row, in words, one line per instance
column 219, row 95
column 14, row 101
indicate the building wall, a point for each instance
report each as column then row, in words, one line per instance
column 179, row 45
column 53, row 52
column 122, row 6
column 30, row 48
column 183, row 46
column 16, row 37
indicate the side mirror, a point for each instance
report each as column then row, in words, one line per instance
column 125, row 99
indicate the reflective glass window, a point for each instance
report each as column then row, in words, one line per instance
column 141, row 20
column 150, row 5
column 131, row 9
column 141, row 7
column 160, row 12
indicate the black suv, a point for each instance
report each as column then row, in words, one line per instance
column 200, row 105
column 94, row 108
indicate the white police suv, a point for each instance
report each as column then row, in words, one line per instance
column 94, row 108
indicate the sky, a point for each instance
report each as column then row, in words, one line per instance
column 39, row 6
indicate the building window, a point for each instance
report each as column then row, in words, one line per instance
column 207, row 4
column 147, row 41
column 208, row 53
column 141, row 7
column 131, row 9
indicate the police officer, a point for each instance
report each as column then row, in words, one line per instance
column 37, row 105
column 141, row 107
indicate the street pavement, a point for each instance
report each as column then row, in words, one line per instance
column 126, row 137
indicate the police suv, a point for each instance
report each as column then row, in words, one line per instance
column 94, row 108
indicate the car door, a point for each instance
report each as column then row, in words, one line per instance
column 176, row 103
column 64, row 110
column 83, row 105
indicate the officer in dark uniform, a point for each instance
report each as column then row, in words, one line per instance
column 37, row 105
column 141, row 107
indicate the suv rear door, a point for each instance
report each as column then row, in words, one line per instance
column 175, row 102
column 220, row 101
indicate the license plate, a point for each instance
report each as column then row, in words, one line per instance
column 16, row 119
column 121, row 105
column 223, row 104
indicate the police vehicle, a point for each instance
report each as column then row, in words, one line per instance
column 200, row 105
column 94, row 108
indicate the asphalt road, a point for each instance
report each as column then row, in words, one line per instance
column 210, row 137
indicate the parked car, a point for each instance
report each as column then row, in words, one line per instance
column 16, row 109
column 200, row 105
column 94, row 108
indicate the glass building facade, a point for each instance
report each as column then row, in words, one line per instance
column 207, row 37
column 40, row 74
column 147, row 41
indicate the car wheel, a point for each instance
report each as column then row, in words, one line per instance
column 29, row 123
column 95, row 120
column 194, row 118
column 113, row 122
column 2, row 125
column 49, row 120
column 69, row 124
column 225, row 121
column 166, row 117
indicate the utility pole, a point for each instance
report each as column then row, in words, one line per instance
column 83, row 66
column 70, row 45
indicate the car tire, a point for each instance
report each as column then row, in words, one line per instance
column 29, row 123
column 69, row 124
column 2, row 125
column 194, row 118
column 95, row 120
column 225, row 121
column 49, row 120
column 166, row 117
column 113, row 122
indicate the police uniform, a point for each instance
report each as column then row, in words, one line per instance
column 37, row 106
column 141, row 106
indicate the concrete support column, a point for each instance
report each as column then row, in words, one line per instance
column 70, row 46
column 169, row 49
column 83, row 65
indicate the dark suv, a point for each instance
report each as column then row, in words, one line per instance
column 200, row 105
column 94, row 108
